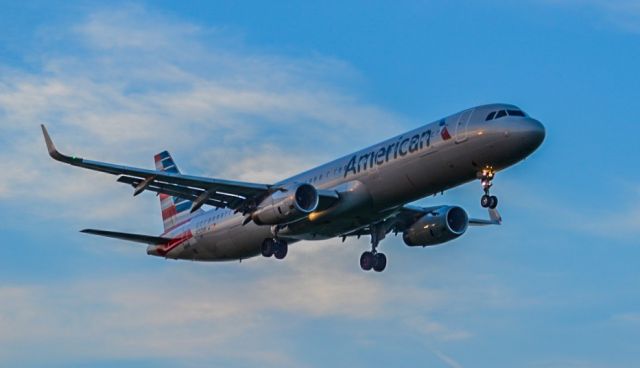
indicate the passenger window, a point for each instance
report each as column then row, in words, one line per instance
column 515, row 113
column 490, row 116
column 501, row 114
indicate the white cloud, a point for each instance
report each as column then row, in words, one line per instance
column 621, row 222
column 624, row 14
column 438, row 330
column 447, row 360
column 135, row 28
column 140, row 82
column 195, row 312
column 573, row 363
column 627, row 318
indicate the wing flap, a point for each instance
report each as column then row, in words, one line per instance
column 192, row 194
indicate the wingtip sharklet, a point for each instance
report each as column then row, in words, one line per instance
column 494, row 219
column 53, row 152
column 47, row 139
column 494, row 215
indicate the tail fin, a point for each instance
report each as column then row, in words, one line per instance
column 175, row 210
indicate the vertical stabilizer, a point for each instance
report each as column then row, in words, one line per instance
column 175, row 210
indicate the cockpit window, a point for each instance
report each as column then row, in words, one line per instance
column 490, row 116
column 502, row 113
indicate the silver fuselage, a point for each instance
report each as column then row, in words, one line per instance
column 384, row 176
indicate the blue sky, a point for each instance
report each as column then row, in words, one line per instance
column 259, row 91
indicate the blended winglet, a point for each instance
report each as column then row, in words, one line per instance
column 53, row 152
column 494, row 219
column 494, row 215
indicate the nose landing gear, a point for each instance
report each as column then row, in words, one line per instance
column 486, row 179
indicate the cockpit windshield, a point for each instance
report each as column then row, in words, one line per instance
column 502, row 113
column 516, row 113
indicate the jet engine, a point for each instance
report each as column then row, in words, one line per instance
column 437, row 227
column 287, row 205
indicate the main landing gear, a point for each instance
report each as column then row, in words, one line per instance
column 372, row 259
column 486, row 179
column 274, row 247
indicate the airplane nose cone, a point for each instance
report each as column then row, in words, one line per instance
column 536, row 132
column 531, row 134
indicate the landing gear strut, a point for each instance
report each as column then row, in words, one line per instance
column 486, row 179
column 372, row 259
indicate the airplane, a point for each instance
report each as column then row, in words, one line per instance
column 366, row 193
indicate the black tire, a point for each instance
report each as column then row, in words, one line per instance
column 282, row 249
column 367, row 260
column 485, row 201
column 380, row 262
column 494, row 202
column 267, row 248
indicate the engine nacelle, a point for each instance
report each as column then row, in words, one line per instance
column 288, row 205
column 437, row 227
column 353, row 197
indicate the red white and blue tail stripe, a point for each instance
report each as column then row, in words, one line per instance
column 175, row 210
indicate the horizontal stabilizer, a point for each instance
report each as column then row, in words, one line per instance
column 146, row 239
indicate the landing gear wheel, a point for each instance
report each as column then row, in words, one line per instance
column 372, row 259
column 485, row 201
column 281, row 249
column 380, row 262
column 493, row 202
column 268, row 247
column 486, row 179
column 367, row 260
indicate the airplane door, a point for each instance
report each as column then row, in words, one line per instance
column 461, row 126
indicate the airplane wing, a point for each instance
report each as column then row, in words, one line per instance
column 146, row 239
column 201, row 190
column 407, row 215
